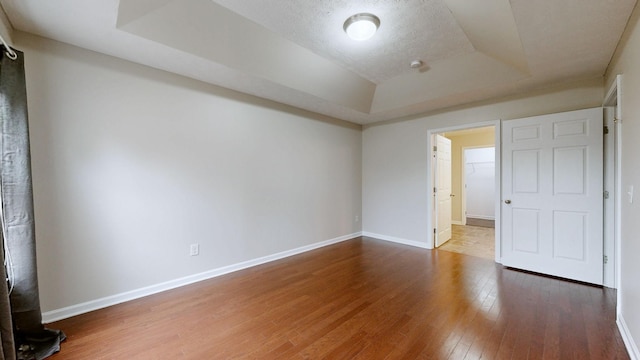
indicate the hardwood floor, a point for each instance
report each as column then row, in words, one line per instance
column 360, row 299
column 472, row 240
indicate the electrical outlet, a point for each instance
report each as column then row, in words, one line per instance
column 357, row 218
column 194, row 249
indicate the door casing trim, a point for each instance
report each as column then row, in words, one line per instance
column 430, row 135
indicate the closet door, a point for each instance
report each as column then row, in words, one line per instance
column 552, row 195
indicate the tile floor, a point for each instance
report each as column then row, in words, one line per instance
column 471, row 240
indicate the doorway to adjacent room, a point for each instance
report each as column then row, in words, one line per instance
column 470, row 187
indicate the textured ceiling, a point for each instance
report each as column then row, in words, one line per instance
column 295, row 52
column 428, row 32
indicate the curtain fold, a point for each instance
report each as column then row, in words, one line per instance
column 32, row 339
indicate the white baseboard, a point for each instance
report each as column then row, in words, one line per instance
column 396, row 240
column 632, row 348
column 456, row 222
column 481, row 217
column 73, row 310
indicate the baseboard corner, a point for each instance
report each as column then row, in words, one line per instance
column 628, row 340
column 396, row 240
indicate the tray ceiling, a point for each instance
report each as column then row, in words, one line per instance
column 296, row 53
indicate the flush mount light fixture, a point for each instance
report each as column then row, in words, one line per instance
column 416, row 64
column 361, row 26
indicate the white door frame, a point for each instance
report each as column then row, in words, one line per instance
column 430, row 185
column 613, row 172
column 463, row 173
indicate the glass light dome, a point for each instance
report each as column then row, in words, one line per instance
column 362, row 26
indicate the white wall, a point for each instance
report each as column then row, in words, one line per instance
column 479, row 178
column 459, row 140
column 131, row 165
column 395, row 156
column 6, row 31
column 627, row 62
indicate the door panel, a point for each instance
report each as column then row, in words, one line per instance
column 569, row 176
column 552, row 195
column 569, row 235
column 526, row 170
column 526, row 230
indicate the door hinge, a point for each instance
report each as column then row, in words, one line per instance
column 434, row 231
column 605, row 259
column 606, row 194
column 606, row 130
column 435, row 148
column 435, row 190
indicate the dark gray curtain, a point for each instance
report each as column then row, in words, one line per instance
column 33, row 341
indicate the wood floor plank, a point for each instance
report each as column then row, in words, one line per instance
column 360, row 299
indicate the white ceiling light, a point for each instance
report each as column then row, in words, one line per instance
column 361, row 26
column 416, row 64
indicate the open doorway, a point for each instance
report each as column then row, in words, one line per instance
column 473, row 193
column 478, row 186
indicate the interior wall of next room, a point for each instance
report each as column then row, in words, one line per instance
column 459, row 140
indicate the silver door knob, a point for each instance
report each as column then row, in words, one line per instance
column 507, row 202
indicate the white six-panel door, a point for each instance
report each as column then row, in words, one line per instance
column 443, row 189
column 552, row 195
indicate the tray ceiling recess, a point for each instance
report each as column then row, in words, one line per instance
column 426, row 54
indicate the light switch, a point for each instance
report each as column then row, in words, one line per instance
column 630, row 193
